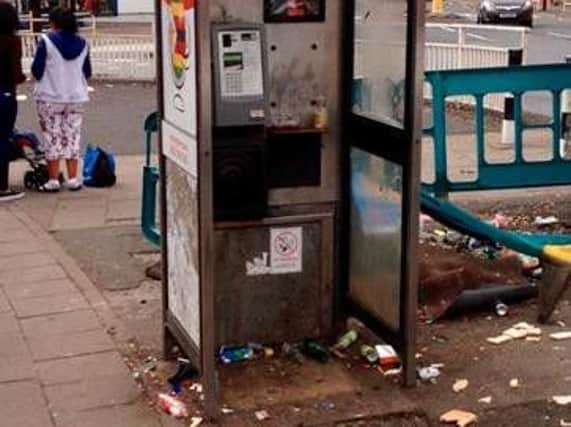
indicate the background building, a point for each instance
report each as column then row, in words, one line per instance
column 98, row 7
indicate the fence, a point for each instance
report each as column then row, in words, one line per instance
column 113, row 57
column 132, row 57
column 537, row 163
column 87, row 22
column 479, row 53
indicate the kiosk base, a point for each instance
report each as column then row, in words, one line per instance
column 274, row 278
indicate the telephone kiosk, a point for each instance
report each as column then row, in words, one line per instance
column 289, row 200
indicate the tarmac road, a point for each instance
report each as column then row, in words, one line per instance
column 548, row 42
column 114, row 118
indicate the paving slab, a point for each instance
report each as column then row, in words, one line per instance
column 60, row 303
column 60, row 324
column 124, row 209
column 16, row 235
column 15, row 360
column 85, row 218
column 69, row 345
column 4, row 304
column 8, row 324
column 23, row 405
column 19, row 248
column 76, row 369
column 92, row 393
column 22, row 262
column 40, row 289
column 33, row 274
column 79, row 213
column 118, row 416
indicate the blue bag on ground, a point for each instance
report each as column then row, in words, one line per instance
column 98, row 167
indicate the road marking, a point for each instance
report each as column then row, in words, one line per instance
column 559, row 35
column 445, row 28
column 478, row 37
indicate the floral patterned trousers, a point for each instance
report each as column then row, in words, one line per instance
column 61, row 125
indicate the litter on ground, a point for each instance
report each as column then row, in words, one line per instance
column 460, row 385
column 501, row 339
column 262, row 415
column 460, row 417
column 487, row 400
column 519, row 331
column 514, row 383
column 562, row 400
column 428, row 373
column 560, row 336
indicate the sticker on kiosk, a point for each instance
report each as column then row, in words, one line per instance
column 286, row 254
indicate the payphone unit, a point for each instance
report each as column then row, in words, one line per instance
column 241, row 114
column 240, row 75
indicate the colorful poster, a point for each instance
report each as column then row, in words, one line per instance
column 180, row 147
column 179, row 64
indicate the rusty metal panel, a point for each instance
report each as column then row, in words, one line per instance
column 270, row 308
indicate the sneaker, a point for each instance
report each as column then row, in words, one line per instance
column 52, row 186
column 10, row 195
column 74, row 184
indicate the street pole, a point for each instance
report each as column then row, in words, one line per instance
column 35, row 12
column 508, row 124
column 437, row 7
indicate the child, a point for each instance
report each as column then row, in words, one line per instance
column 61, row 68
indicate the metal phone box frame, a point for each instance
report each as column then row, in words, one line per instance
column 186, row 170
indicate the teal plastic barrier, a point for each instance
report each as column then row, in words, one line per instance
column 150, row 182
column 479, row 83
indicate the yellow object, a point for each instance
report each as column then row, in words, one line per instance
column 437, row 7
column 558, row 254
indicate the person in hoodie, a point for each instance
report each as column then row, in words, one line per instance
column 61, row 68
column 10, row 76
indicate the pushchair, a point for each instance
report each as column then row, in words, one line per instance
column 26, row 145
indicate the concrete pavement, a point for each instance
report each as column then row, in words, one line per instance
column 60, row 341
column 59, row 365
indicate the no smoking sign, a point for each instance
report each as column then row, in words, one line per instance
column 286, row 250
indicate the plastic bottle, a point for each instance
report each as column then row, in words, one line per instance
column 316, row 351
column 171, row 405
column 369, row 353
column 347, row 340
column 320, row 117
column 229, row 355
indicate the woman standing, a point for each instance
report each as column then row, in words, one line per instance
column 10, row 76
column 61, row 68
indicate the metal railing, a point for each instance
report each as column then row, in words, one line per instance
column 521, row 171
column 88, row 22
column 479, row 52
column 113, row 57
